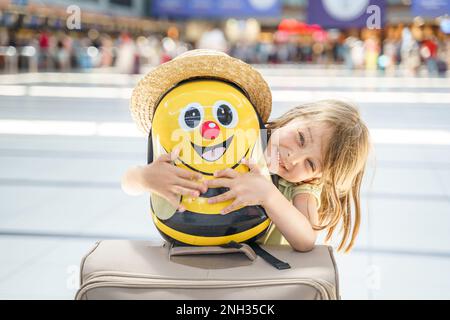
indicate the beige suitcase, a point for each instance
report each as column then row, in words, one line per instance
column 121, row 269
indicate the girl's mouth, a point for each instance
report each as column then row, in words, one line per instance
column 275, row 160
column 280, row 161
column 281, row 164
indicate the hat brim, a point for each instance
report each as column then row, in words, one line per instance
column 198, row 64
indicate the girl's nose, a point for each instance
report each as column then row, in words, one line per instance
column 291, row 159
column 210, row 130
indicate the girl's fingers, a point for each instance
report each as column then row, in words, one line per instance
column 185, row 191
column 221, row 182
column 201, row 187
column 187, row 174
column 221, row 198
column 164, row 158
column 226, row 173
column 232, row 207
column 169, row 157
column 175, row 153
column 251, row 165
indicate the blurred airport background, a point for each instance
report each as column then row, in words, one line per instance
column 67, row 69
column 125, row 34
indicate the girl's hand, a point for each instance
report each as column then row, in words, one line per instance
column 165, row 179
column 247, row 189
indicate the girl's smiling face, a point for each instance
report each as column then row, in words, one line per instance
column 295, row 151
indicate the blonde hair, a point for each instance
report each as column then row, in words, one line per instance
column 343, row 164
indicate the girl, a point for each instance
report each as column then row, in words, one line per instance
column 318, row 153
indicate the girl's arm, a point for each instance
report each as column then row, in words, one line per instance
column 294, row 219
column 133, row 181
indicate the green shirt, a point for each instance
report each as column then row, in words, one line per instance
column 289, row 190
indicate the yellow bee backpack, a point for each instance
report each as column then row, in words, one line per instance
column 213, row 107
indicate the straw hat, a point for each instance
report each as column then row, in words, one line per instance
column 198, row 64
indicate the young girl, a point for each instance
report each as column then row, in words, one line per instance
column 318, row 153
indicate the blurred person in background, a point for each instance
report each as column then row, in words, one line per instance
column 292, row 49
column 44, row 50
column 126, row 54
column 154, row 50
column 428, row 51
column 4, row 37
column 106, row 51
column 390, row 49
column 318, row 52
column 371, row 52
column 347, row 49
column 443, row 55
column 63, row 53
column 240, row 51
column 76, row 51
column 339, row 49
column 172, row 46
column 410, row 55
column 84, row 60
column 357, row 54
column 213, row 39
column 282, row 53
column 306, row 53
column 334, row 49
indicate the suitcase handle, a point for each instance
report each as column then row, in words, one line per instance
column 232, row 247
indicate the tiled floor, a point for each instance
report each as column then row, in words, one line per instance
column 60, row 193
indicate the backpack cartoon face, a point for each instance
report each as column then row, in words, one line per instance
column 213, row 121
column 216, row 127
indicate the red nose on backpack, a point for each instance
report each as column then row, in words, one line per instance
column 210, row 130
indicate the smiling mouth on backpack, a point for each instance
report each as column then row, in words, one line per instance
column 214, row 152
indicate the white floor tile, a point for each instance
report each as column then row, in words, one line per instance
column 353, row 272
column 65, row 169
column 47, row 274
column 410, row 225
column 444, row 178
column 415, row 182
column 406, row 277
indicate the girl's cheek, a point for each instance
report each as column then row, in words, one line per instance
column 286, row 175
column 298, row 175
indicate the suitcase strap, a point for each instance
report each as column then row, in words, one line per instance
column 269, row 258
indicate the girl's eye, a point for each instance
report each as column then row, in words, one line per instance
column 311, row 164
column 302, row 138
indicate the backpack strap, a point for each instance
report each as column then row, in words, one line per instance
column 269, row 258
column 150, row 147
column 251, row 250
column 232, row 247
